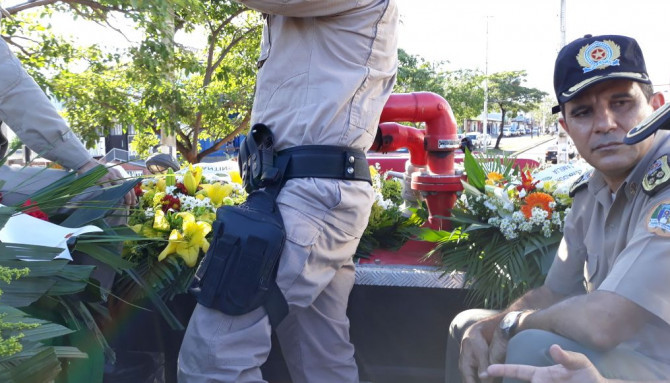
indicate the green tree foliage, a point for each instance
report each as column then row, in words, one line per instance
column 192, row 75
column 461, row 88
column 507, row 94
column 542, row 114
column 465, row 93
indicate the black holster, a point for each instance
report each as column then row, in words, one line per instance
column 238, row 273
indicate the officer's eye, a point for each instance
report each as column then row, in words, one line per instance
column 580, row 112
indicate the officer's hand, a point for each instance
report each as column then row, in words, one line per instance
column 474, row 354
column 573, row 367
column 498, row 348
column 114, row 176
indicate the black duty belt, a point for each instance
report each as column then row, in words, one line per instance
column 326, row 161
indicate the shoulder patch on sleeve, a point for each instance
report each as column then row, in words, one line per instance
column 657, row 176
column 658, row 220
column 581, row 182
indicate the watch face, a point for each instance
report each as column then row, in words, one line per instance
column 509, row 321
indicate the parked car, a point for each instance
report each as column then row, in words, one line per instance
column 507, row 131
column 479, row 139
column 551, row 154
column 535, row 131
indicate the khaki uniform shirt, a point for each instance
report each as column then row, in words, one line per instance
column 621, row 245
column 28, row 112
column 326, row 70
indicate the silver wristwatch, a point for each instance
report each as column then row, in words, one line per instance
column 509, row 323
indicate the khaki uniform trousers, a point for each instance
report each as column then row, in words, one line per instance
column 316, row 274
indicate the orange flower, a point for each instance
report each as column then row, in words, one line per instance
column 541, row 200
column 494, row 178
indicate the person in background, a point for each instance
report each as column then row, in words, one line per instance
column 28, row 112
column 326, row 70
column 605, row 295
column 32, row 117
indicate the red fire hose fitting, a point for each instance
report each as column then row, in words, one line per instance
column 433, row 147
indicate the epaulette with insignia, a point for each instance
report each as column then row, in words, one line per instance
column 581, row 182
column 657, row 176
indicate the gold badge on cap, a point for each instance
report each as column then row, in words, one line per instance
column 598, row 55
column 657, row 176
column 658, row 221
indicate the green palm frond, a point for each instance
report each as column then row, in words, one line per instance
column 497, row 270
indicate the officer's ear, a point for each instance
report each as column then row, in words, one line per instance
column 657, row 100
column 564, row 124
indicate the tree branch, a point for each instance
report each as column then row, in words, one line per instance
column 240, row 128
column 224, row 52
column 87, row 3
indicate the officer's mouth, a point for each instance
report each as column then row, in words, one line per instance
column 611, row 145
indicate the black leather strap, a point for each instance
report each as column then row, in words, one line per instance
column 326, row 161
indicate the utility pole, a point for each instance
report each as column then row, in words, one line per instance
column 486, row 85
column 563, row 23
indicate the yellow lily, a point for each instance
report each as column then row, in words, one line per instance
column 160, row 222
column 192, row 179
column 187, row 245
column 235, row 177
column 160, row 184
column 373, row 171
column 217, row 192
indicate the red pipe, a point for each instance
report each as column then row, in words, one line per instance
column 395, row 136
column 433, row 147
column 441, row 138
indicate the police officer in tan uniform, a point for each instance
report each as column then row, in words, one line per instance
column 28, row 112
column 326, row 70
column 606, row 294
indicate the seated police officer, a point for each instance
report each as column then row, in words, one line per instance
column 606, row 293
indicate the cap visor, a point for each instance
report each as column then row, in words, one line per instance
column 660, row 119
column 575, row 89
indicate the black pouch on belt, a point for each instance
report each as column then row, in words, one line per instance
column 238, row 273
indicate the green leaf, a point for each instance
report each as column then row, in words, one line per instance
column 476, row 174
column 103, row 254
column 91, row 210
column 43, row 366
column 169, row 317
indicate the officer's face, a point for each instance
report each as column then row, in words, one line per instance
column 598, row 120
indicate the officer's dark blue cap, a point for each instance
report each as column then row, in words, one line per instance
column 593, row 59
column 660, row 119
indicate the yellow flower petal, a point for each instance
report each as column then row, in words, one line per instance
column 217, row 192
column 160, row 222
column 373, row 171
column 172, row 246
column 235, row 177
column 160, row 185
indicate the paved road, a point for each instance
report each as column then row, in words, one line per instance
column 527, row 147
